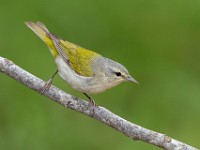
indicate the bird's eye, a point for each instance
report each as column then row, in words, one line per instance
column 118, row 74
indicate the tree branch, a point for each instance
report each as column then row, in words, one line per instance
column 99, row 113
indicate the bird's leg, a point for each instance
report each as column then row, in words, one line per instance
column 48, row 83
column 91, row 100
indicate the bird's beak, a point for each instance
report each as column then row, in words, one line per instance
column 131, row 79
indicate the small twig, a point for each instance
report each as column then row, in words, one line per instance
column 100, row 113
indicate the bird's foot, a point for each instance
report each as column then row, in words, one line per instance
column 48, row 83
column 92, row 102
column 93, row 107
column 46, row 86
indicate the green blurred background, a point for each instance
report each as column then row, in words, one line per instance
column 159, row 43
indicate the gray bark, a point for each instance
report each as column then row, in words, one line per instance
column 102, row 114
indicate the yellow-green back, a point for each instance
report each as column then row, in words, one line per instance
column 80, row 58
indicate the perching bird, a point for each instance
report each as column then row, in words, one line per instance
column 84, row 70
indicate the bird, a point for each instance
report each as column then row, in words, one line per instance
column 84, row 70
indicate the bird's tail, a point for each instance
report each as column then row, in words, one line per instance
column 43, row 33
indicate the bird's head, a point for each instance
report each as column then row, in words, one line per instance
column 113, row 71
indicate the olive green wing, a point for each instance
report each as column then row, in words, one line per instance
column 80, row 59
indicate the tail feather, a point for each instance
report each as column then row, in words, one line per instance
column 39, row 29
column 42, row 26
column 43, row 33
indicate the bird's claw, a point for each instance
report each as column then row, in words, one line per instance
column 92, row 102
column 46, row 86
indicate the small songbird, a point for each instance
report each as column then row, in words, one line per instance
column 84, row 70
